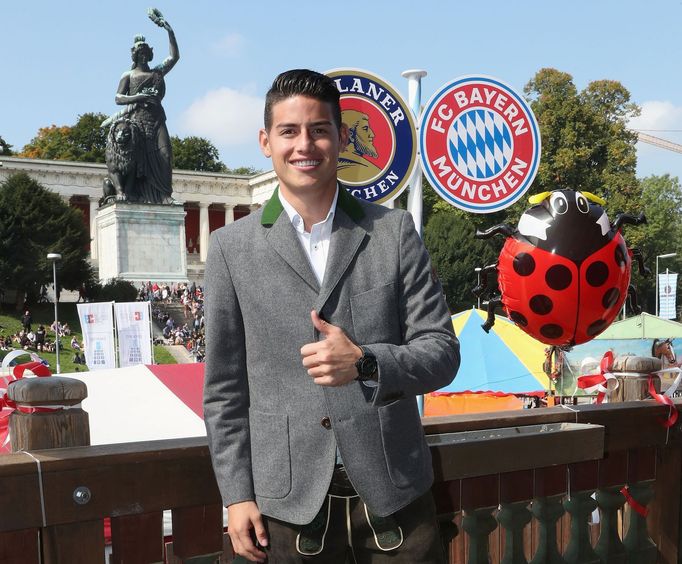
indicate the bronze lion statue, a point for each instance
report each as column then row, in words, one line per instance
column 122, row 156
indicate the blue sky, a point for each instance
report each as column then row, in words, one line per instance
column 62, row 59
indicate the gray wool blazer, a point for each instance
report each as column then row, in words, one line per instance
column 267, row 425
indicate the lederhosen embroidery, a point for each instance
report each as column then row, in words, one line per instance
column 387, row 533
column 310, row 539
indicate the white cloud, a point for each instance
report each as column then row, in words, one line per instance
column 657, row 115
column 226, row 116
column 229, row 46
column 661, row 119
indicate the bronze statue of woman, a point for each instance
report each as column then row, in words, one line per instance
column 141, row 91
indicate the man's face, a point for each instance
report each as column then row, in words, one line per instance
column 364, row 137
column 304, row 145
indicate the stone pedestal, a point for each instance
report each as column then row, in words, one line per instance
column 140, row 242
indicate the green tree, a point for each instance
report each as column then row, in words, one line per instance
column 196, row 153
column 586, row 144
column 455, row 253
column 661, row 202
column 84, row 141
column 34, row 222
column 114, row 290
column 5, row 148
column 245, row 170
column 88, row 138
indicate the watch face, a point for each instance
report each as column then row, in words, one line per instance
column 367, row 366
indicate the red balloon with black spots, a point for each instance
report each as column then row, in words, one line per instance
column 565, row 272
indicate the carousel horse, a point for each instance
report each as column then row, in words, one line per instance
column 663, row 349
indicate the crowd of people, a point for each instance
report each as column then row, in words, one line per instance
column 37, row 340
column 189, row 331
column 40, row 339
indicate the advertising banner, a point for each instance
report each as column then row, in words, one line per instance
column 133, row 323
column 667, row 294
column 97, row 325
column 381, row 154
column 479, row 144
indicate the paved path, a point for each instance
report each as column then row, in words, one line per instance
column 180, row 353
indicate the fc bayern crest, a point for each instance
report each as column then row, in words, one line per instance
column 479, row 144
column 382, row 142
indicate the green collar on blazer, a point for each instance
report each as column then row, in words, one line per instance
column 345, row 201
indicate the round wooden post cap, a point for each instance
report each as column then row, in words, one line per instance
column 53, row 390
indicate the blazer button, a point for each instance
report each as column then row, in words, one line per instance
column 326, row 423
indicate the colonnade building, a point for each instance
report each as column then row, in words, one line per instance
column 210, row 199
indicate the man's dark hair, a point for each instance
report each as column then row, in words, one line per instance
column 302, row 82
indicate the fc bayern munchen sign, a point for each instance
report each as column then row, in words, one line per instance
column 382, row 146
column 479, row 144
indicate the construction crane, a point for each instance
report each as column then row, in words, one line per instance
column 658, row 142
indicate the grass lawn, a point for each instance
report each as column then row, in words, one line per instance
column 162, row 356
column 10, row 323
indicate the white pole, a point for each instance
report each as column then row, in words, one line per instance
column 657, row 285
column 54, row 257
column 151, row 329
column 117, row 343
column 56, row 315
column 414, row 197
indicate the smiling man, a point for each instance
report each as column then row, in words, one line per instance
column 323, row 323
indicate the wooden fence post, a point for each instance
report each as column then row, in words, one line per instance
column 47, row 417
column 48, row 429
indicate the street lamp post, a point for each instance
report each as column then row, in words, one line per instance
column 667, row 255
column 54, row 257
column 477, row 270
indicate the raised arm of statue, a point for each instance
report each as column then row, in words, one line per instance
column 169, row 62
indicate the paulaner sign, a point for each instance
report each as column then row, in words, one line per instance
column 382, row 150
column 479, row 144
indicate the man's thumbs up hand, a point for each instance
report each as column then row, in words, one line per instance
column 331, row 360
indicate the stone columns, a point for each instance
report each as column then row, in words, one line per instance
column 204, row 230
column 94, row 205
column 229, row 213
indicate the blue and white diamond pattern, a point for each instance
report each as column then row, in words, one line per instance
column 480, row 143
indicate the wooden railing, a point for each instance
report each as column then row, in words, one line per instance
column 513, row 506
column 511, row 487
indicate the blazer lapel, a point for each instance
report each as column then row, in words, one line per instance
column 282, row 236
column 346, row 238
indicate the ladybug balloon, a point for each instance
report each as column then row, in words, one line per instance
column 564, row 272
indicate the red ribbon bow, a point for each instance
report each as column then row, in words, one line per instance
column 7, row 406
column 597, row 381
column 663, row 400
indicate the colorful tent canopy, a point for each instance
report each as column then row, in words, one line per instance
column 504, row 360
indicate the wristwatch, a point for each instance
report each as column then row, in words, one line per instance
column 366, row 366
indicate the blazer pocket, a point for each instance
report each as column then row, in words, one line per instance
column 375, row 316
column 404, row 444
column 270, row 456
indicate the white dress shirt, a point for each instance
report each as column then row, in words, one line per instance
column 316, row 243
